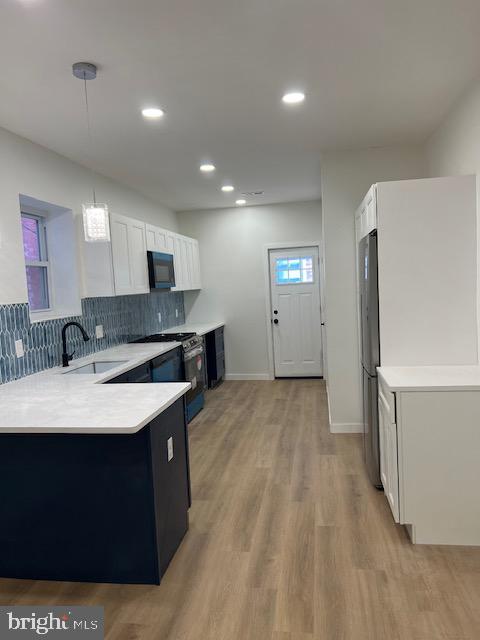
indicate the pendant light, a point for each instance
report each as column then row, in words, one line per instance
column 95, row 214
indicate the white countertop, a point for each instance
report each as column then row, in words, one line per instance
column 55, row 402
column 434, row 378
column 200, row 328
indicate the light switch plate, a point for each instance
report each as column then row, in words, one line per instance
column 99, row 333
column 19, row 350
column 170, row 448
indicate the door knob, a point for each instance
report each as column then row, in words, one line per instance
column 275, row 321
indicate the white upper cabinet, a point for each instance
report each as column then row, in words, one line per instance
column 197, row 279
column 157, row 239
column 366, row 215
column 129, row 255
column 120, row 254
column 121, row 268
column 186, row 255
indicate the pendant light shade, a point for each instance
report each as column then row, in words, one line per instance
column 96, row 222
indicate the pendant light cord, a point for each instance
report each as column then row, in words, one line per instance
column 89, row 129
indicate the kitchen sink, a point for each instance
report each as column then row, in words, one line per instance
column 97, row 367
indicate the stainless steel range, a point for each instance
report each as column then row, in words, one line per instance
column 193, row 366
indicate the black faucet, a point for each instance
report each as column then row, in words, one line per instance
column 65, row 356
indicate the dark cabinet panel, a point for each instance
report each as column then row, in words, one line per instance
column 165, row 368
column 168, row 367
column 143, row 373
column 215, row 352
column 171, row 483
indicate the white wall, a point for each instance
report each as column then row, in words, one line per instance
column 231, row 253
column 454, row 149
column 32, row 170
column 346, row 177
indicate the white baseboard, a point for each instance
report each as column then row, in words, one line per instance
column 346, row 427
column 247, row 376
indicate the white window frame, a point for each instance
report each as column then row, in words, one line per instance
column 41, row 220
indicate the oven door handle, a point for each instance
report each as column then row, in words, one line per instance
column 194, row 352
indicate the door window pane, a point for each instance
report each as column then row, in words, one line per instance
column 37, row 286
column 294, row 270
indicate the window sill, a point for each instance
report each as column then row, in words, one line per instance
column 42, row 316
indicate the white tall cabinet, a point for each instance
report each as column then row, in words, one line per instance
column 427, row 269
column 427, row 302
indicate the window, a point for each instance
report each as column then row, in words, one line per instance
column 294, row 270
column 36, row 261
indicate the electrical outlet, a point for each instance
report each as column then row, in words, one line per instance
column 170, row 449
column 176, row 313
column 99, row 333
column 160, row 317
column 19, row 350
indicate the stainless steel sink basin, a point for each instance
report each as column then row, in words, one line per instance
column 97, row 367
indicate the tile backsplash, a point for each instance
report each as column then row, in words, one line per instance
column 123, row 318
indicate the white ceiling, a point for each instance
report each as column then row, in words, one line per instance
column 375, row 72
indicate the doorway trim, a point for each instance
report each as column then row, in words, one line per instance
column 268, row 308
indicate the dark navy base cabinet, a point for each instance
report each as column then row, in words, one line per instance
column 215, row 351
column 94, row 508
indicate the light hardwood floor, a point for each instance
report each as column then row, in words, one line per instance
column 287, row 541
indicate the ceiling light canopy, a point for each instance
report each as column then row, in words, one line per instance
column 228, row 188
column 293, row 97
column 153, row 113
column 241, row 201
column 207, row 167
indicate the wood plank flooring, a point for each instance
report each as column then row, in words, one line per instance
column 287, row 541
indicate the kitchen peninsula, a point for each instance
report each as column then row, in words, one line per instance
column 94, row 477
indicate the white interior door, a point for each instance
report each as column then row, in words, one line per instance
column 295, row 307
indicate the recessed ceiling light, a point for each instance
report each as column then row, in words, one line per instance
column 241, row 201
column 152, row 113
column 228, row 188
column 207, row 168
column 294, row 97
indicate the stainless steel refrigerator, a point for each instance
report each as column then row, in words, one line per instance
column 370, row 356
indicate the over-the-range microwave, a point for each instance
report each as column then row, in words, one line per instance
column 160, row 270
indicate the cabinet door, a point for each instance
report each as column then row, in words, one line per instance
column 151, row 237
column 120, row 254
column 188, row 262
column 192, row 267
column 371, row 210
column 156, row 238
column 178, row 264
column 197, row 279
column 138, row 257
column 388, row 456
column 170, row 242
column 129, row 255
